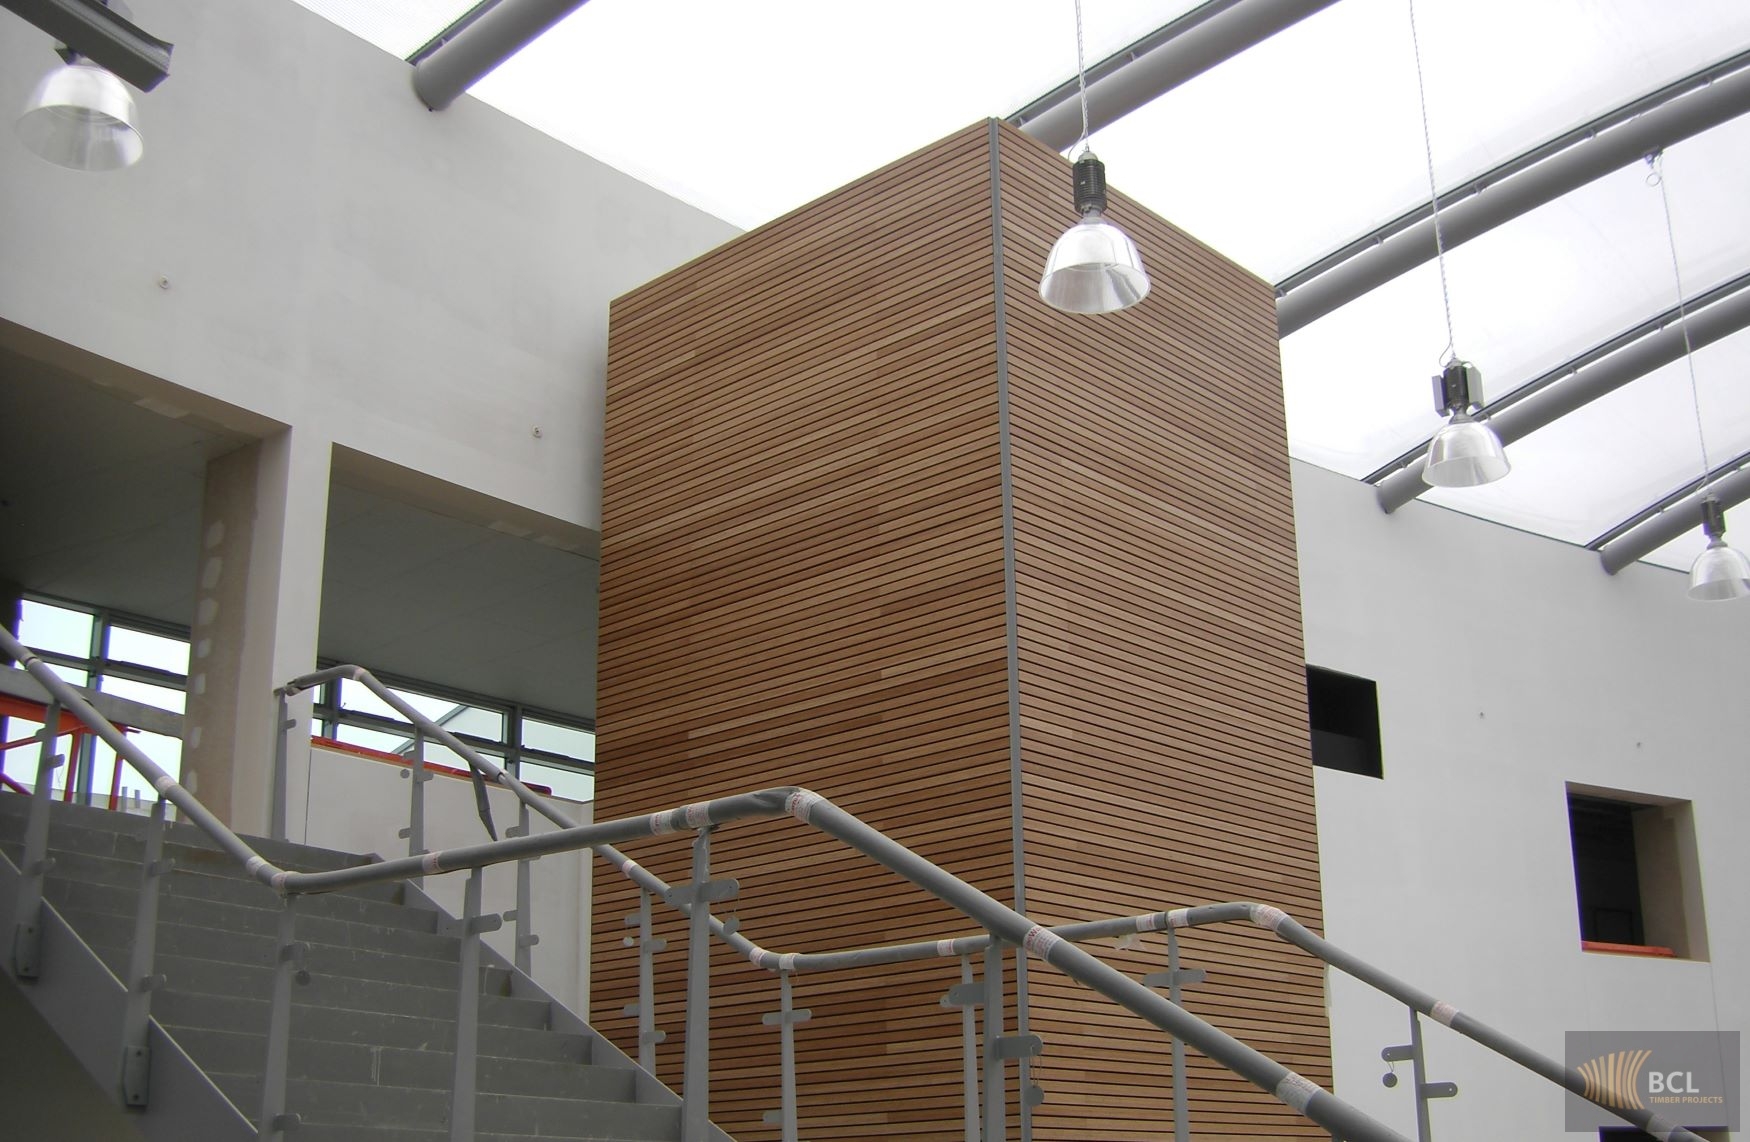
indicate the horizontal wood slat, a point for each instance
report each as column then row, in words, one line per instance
column 807, row 497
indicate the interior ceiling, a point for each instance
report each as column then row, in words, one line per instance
column 100, row 503
column 1279, row 156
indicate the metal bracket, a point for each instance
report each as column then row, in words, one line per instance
column 491, row 922
column 421, row 775
column 779, row 1018
column 293, row 953
column 1439, row 1090
column 287, row 1122
column 964, row 995
column 653, row 1037
column 1183, row 977
column 136, row 1074
column 1020, row 1047
column 27, row 946
column 711, row 892
column 1033, row 1095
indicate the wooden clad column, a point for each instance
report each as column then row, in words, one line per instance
column 1017, row 587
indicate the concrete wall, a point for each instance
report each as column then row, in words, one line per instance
column 305, row 240
column 355, row 804
column 1509, row 665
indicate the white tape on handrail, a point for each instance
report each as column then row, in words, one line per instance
column 799, row 803
column 1295, row 1092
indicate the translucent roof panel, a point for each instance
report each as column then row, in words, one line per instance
column 749, row 110
column 1314, row 137
column 1608, row 460
column 399, row 27
column 1526, row 297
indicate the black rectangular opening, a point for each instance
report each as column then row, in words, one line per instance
column 1344, row 713
column 1607, row 876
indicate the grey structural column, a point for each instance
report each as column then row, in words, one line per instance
column 1180, row 51
column 1720, row 102
column 487, row 41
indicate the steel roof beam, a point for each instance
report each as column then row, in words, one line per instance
column 102, row 36
column 1514, row 418
column 483, row 39
column 1671, row 517
column 1162, row 60
column 1590, row 152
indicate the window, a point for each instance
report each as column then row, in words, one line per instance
column 1630, row 1134
column 1344, row 712
column 1635, row 874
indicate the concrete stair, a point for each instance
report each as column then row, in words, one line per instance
column 373, row 1033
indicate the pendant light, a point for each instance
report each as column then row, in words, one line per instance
column 1094, row 267
column 1720, row 572
column 82, row 117
column 1466, row 452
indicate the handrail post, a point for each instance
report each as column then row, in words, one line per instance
column 696, row 1073
column 1424, row 1091
column 462, row 1087
column 283, row 724
column 417, row 775
column 786, row 1018
column 27, row 932
column 645, row 1009
column 523, row 913
column 288, row 967
column 968, row 1046
column 1181, row 1112
column 141, row 980
column 995, row 1098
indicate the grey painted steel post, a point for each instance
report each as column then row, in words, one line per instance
column 648, row 945
column 468, row 1013
column 141, row 981
column 288, row 967
column 696, row 1072
column 417, row 775
column 283, row 724
column 27, row 931
column 1181, row 1112
column 995, row 1098
column 1419, row 1075
column 969, row 1052
column 786, row 1017
column 526, row 939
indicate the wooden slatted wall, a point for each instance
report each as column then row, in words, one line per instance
column 1164, row 740
column 802, row 582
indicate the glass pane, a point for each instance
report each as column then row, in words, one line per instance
column 571, row 784
column 43, row 626
column 1276, row 182
column 856, row 92
column 554, row 738
column 356, row 696
column 163, row 697
column 372, row 739
column 143, row 649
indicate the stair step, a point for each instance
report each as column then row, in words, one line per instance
column 357, row 1064
column 325, row 1104
column 101, row 930
column 433, row 1031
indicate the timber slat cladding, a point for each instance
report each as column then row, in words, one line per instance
column 1164, row 740
column 803, row 582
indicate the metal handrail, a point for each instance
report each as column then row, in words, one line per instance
column 1273, row 919
column 1293, row 1090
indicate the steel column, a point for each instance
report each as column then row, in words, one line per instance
column 696, row 1071
column 486, row 42
column 141, row 980
column 463, row 1085
column 275, row 1122
column 27, row 931
column 995, row 1097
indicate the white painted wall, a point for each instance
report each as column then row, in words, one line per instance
column 427, row 288
column 355, row 804
column 1508, row 665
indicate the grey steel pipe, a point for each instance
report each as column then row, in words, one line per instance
column 1522, row 418
column 500, row 33
column 1204, row 44
column 1680, row 119
column 1654, row 533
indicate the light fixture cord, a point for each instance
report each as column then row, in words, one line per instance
column 1656, row 161
column 1081, row 80
column 1433, row 193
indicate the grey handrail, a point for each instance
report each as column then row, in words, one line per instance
column 1266, row 916
column 1293, row 1090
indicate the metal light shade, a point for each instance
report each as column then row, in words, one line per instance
column 1464, row 454
column 1720, row 572
column 1094, row 268
column 81, row 116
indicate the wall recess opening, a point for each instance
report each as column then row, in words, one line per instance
column 1344, row 713
column 1636, row 879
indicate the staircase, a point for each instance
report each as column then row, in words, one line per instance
column 374, row 1029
